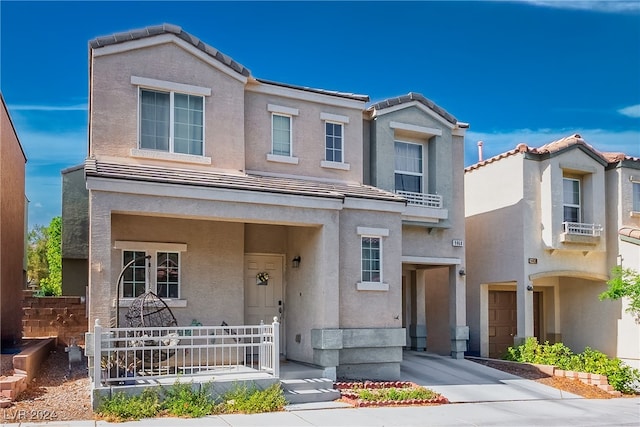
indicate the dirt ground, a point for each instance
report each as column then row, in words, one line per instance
column 56, row 395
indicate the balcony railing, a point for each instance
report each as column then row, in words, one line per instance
column 130, row 356
column 580, row 229
column 422, row 199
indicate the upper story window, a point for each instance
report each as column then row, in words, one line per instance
column 636, row 196
column 571, row 200
column 281, row 135
column 408, row 167
column 333, row 142
column 171, row 121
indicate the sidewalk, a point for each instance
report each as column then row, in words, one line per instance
column 548, row 413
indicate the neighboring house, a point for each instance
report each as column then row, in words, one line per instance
column 542, row 227
column 221, row 177
column 75, row 232
column 13, row 228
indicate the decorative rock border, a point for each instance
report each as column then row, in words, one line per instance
column 347, row 392
column 600, row 381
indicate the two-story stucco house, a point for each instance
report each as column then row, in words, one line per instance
column 13, row 226
column 221, row 177
column 542, row 230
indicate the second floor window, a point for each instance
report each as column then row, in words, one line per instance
column 172, row 122
column 636, row 196
column 333, row 142
column 281, row 135
column 408, row 167
column 571, row 200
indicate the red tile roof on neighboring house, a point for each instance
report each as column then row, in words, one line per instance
column 555, row 147
column 630, row 232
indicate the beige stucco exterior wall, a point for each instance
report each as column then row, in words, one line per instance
column 114, row 102
column 308, row 137
column 12, row 228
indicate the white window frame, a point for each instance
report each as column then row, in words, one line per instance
column 153, row 249
column 635, row 198
column 572, row 205
column 326, row 122
column 339, row 120
column 279, row 110
column 144, row 83
column 375, row 233
column 401, row 172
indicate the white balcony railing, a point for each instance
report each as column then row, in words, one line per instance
column 580, row 229
column 422, row 199
column 130, row 356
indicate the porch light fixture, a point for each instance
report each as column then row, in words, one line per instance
column 461, row 272
column 295, row 262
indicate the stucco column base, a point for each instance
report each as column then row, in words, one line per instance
column 418, row 336
column 326, row 344
column 459, row 339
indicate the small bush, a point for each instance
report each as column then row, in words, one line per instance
column 250, row 400
column 621, row 377
column 123, row 407
column 180, row 400
column 394, row 394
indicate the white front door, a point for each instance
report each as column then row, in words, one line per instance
column 263, row 299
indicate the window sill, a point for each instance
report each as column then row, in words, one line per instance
column 372, row 286
column 175, row 157
column 171, row 303
column 335, row 165
column 282, row 159
column 635, row 214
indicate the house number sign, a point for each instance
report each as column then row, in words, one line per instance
column 457, row 243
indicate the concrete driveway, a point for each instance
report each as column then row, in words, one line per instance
column 465, row 381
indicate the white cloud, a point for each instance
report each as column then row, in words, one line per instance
column 29, row 107
column 498, row 142
column 608, row 6
column 631, row 111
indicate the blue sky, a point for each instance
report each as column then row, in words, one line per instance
column 528, row 71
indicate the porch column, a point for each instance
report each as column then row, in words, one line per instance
column 418, row 326
column 100, row 286
column 457, row 313
column 524, row 297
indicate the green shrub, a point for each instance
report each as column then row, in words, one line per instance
column 181, row 400
column 395, row 394
column 123, row 407
column 621, row 377
column 251, row 400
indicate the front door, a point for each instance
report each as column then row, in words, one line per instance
column 263, row 291
column 503, row 322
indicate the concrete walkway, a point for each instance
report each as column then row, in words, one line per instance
column 463, row 381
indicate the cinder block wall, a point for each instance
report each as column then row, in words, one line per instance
column 63, row 317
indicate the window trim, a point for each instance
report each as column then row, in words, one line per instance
column 377, row 233
column 272, row 153
column 635, row 203
column 153, row 248
column 571, row 205
column 342, row 153
column 171, row 89
column 423, row 162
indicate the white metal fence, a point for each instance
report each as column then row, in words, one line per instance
column 582, row 229
column 122, row 356
column 422, row 199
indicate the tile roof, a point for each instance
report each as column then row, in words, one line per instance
column 169, row 29
column 555, row 147
column 245, row 182
column 413, row 96
column 630, row 232
column 364, row 98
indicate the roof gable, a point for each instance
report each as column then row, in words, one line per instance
column 173, row 30
column 413, row 98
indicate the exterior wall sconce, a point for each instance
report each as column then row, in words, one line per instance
column 619, row 260
column 295, row 262
column 529, row 287
column 461, row 272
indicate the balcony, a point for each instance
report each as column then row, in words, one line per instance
column 422, row 207
column 577, row 232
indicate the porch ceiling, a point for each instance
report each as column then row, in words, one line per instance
column 246, row 182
